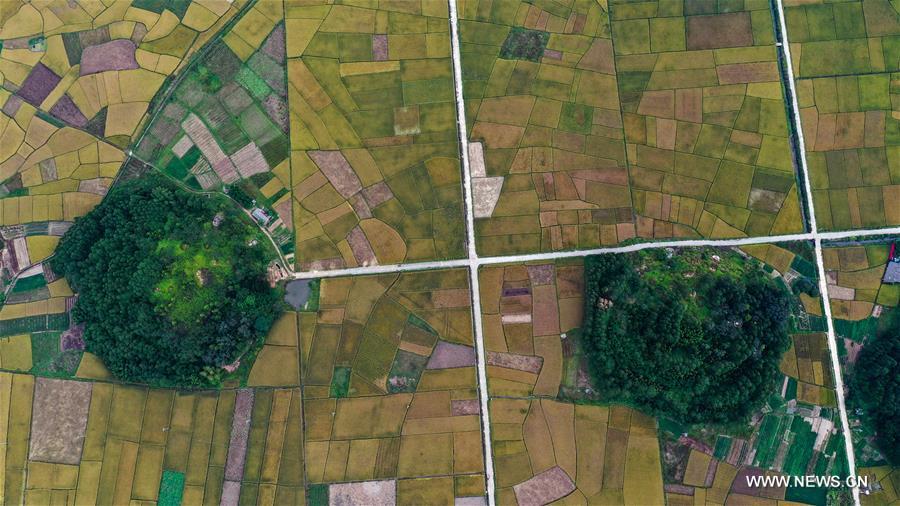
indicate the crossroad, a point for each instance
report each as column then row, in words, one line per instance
column 473, row 262
column 784, row 47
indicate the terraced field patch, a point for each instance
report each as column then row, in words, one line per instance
column 851, row 142
column 97, row 67
column 857, row 287
column 50, row 175
column 547, row 450
column 118, row 444
column 843, row 39
column 545, row 446
column 529, row 314
column 797, row 432
column 334, row 126
column 540, row 382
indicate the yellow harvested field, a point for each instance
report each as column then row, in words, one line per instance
column 698, row 463
column 41, row 307
column 534, row 439
column 334, row 124
column 643, row 482
column 122, row 119
column 275, row 366
column 15, row 352
column 40, row 247
column 92, row 367
column 284, row 331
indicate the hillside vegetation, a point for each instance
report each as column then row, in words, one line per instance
column 875, row 387
column 694, row 337
column 171, row 285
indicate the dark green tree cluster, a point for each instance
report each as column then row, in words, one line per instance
column 171, row 285
column 875, row 387
column 524, row 44
column 702, row 348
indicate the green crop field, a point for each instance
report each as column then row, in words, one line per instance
column 846, row 56
column 227, row 128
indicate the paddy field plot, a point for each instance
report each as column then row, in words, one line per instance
column 225, row 125
column 120, row 444
column 375, row 159
column 798, row 430
column 592, row 126
column 705, row 120
column 546, row 446
column 389, row 385
column 845, row 61
column 546, row 148
column 97, row 67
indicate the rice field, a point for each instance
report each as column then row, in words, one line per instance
column 95, row 67
column 370, row 391
column 796, row 433
column 389, row 385
column 541, row 388
column 225, row 126
column 51, row 175
column 83, row 443
column 547, row 447
column 546, row 450
column 589, row 124
column 593, row 125
column 704, row 119
column 77, row 83
column 855, row 284
column 546, row 149
column 845, row 57
column 375, row 160
column 886, row 479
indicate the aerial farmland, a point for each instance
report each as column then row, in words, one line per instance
column 449, row 252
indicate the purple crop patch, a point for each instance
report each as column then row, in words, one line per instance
column 448, row 355
column 338, row 171
column 38, row 84
column 240, row 431
column 379, row 47
column 113, row 55
column 72, row 339
column 231, row 493
column 541, row 274
column 464, row 407
column 66, row 110
column 516, row 291
column 274, row 44
column 11, row 107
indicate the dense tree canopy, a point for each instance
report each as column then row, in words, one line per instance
column 680, row 341
column 171, row 285
column 875, row 387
